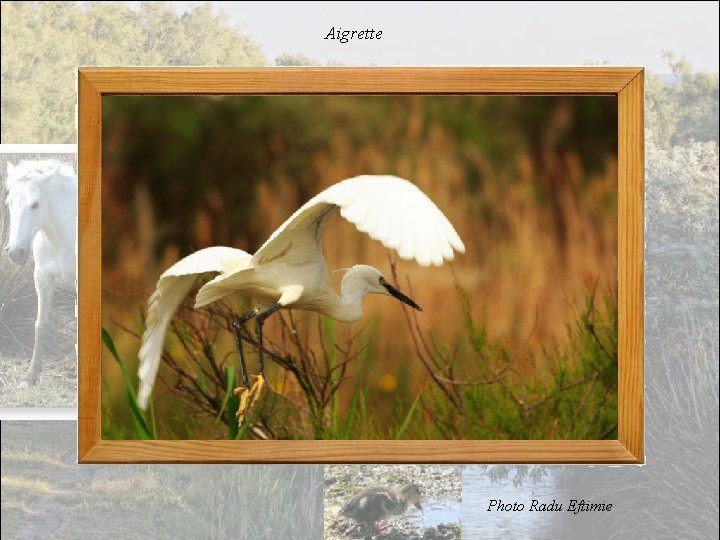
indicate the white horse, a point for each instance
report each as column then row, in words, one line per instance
column 42, row 203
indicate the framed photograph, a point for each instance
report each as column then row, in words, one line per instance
column 361, row 265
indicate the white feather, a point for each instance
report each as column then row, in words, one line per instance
column 172, row 287
column 388, row 209
column 290, row 263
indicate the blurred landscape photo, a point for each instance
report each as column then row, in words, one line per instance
column 46, row 494
column 518, row 337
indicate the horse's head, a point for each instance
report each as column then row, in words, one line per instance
column 27, row 208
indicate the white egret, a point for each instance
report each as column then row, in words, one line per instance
column 289, row 269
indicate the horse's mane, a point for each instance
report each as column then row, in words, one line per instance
column 28, row 170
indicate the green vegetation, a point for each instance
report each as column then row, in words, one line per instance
column 43, row 43
column 576, row 398
column 480, row 393
column 288, row 59
column 683, row 237
column 684, row 109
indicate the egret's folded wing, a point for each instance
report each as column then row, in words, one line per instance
column 173, row 285
column 227, row 283
column 387, row 208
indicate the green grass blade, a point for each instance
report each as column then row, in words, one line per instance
column 408, row 417
column 152, row 420
column 352, row 413
column 141, row 425
column 230, row 378
column 230, row 403
column 335, row 413
column 362, row 407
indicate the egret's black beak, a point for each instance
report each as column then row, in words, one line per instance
column 400, row 296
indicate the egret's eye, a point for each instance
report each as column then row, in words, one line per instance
column 35, row 205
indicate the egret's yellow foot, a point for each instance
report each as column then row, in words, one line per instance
column 248, row 397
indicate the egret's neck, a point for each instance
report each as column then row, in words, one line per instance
column 348, row 306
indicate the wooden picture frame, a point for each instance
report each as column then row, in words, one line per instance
column 624, row 83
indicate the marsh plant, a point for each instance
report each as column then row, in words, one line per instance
column 477, row 390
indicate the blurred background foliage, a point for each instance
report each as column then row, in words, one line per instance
column 530, row 183
column 43, row 44
column 682, row 107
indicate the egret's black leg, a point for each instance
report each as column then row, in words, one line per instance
column 237, row 330
column 260, row 321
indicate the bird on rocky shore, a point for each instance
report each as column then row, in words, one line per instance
column 374, row 504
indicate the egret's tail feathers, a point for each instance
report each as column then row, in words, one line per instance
column 162, row 306
column 172, row 287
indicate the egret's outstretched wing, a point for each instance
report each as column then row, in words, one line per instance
column 173, row 285
column 389, row 209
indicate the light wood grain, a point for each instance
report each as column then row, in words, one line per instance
column 631, row 157
column 418, row 80
column 360, row 452
column 626, row 83
column 89, row 265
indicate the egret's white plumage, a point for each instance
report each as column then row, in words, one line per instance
column 289, row 268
